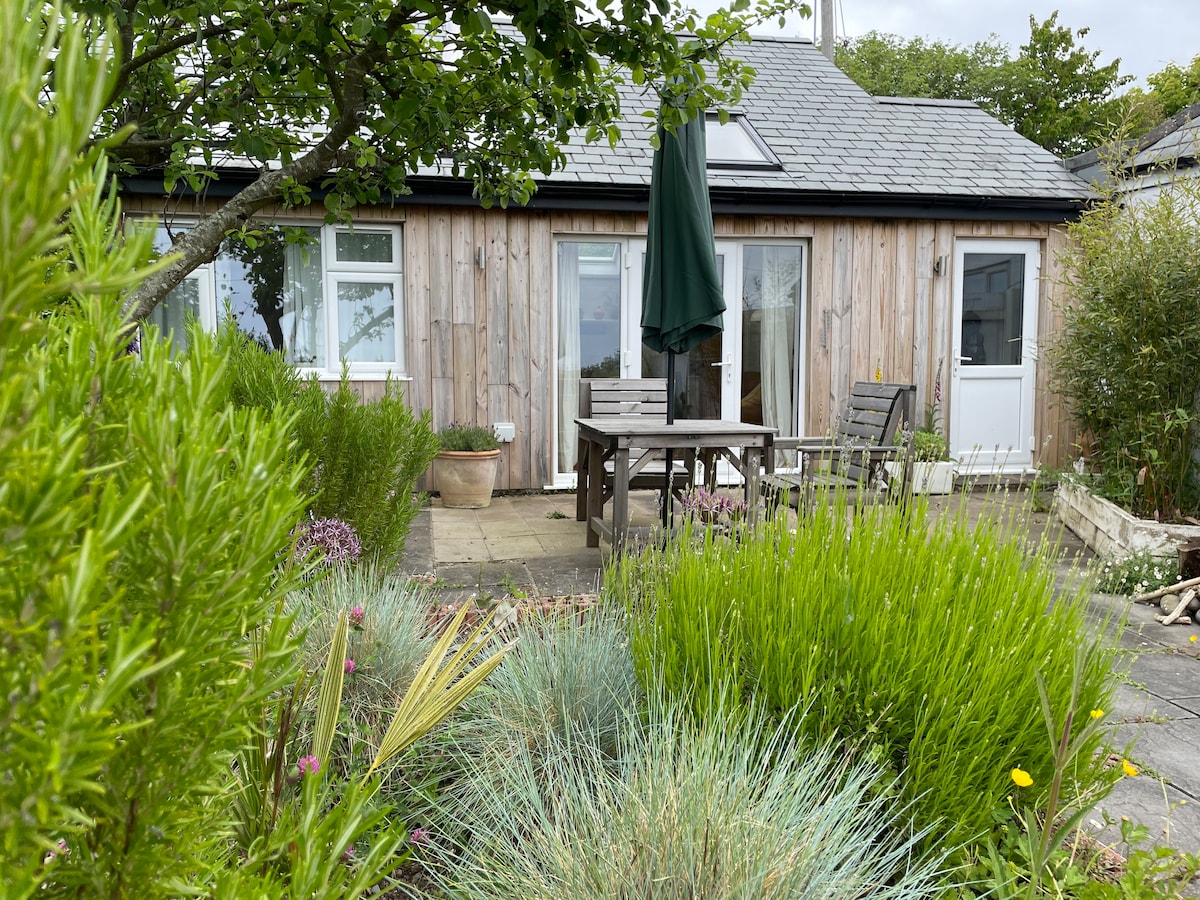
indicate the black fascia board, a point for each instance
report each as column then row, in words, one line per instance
column 427, row 191
column 767, row 202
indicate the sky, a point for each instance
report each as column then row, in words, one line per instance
column 1145, row 34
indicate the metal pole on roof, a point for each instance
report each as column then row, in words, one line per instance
column 827, row 29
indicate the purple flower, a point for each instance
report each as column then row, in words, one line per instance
column 348, row 854
column 349, row 667
column 335, row 540
column 356, row 617
column 308, row 765
column 419, row 837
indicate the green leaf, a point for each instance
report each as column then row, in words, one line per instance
column 329, row 697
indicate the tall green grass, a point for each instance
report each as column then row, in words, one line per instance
column 732, row 807
column 917, row 645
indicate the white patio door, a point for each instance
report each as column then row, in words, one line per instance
column 994, row 353
column 751, row 372
column 705, row 386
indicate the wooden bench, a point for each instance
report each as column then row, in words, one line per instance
column 867, row 434
column 642, row 397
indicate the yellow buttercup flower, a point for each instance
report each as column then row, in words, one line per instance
column 1096, row 713
column 1021, row 778
column 1130, row 769
column 1192, row 639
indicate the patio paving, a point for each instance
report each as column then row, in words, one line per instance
column 531, row 545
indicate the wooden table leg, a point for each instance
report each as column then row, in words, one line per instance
column 581, row 481
column 620, row 498
column 595, row 491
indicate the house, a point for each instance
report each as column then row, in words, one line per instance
column 1148, row 163
column 859, row 238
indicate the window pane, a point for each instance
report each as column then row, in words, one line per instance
column 273, row 292
column 176, row 309
column 993, row 308
column 589, row 329
column 364, row 246
column 770, row 325
column 366, row 321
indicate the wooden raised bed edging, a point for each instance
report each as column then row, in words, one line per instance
column 1111, row 531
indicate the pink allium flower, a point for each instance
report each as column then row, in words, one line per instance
column 308, row 765
column 350, row 667
column 356, row 617
column 419, row 837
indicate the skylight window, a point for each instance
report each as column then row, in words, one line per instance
column 736, row 145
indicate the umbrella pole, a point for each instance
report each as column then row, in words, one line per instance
column 667, row 517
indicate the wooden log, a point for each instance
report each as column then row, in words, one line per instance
column 1177, row 613
column 1154, row 595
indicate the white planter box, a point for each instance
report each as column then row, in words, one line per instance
column 929, row 477
column 1110, row 531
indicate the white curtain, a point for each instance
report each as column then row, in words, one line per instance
column 568, row 354
column 777, row 345
column 304, row 313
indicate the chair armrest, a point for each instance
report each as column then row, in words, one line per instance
column 825, row 445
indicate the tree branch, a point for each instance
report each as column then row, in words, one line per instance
column 203, row 241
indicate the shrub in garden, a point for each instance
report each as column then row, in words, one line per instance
column 388, row 638
column 566, row 684
column 919, row 646
column 363, row 459
column 729, row 807
column 145, row 524
column 1127, row 356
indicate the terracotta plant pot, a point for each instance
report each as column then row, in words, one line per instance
column 465, row 479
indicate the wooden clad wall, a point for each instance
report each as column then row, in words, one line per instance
column 481, row 347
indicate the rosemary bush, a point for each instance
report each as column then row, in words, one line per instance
column 364, row 459
column 920, row 646
column 1127, row 357
column 146, row 525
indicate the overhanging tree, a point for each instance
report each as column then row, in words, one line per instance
column 349, row 97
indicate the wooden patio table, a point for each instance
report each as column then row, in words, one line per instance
column 614, row 437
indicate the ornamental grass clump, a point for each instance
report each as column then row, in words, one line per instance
column 566, row 684
column 731, row 806
column 919, row 645
column 388, row 638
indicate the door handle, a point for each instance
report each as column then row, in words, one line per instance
column 963, row 358
column 717, row 365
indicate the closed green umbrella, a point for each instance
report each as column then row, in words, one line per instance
column 682, row 300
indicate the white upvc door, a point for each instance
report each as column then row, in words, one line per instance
column 706, row 377
column 994, row 354
column 751, row 372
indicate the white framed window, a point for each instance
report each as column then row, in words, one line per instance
column 319, row 294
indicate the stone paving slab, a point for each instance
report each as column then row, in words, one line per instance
column 1134, row 705
column 1172, row 817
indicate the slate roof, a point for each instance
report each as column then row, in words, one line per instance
column 1175, row 149
column 1172, row 145
column 832, row 137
